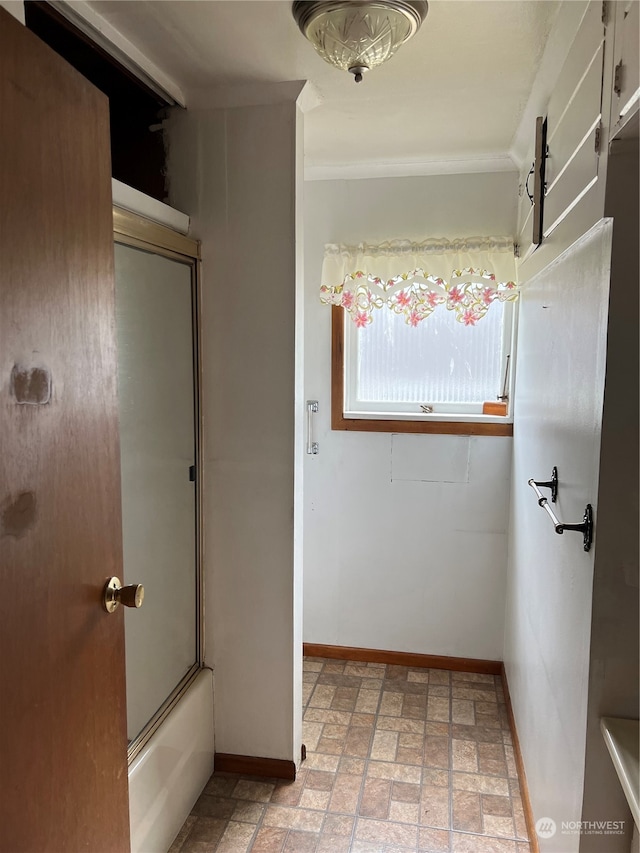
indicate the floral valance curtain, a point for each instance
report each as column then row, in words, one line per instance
column 413, row 279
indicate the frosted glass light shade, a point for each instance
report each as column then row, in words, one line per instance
column 356, row 36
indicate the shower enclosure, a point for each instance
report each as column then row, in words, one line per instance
column 156, row 308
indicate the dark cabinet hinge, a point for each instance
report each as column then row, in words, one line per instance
column 605, row 12
column 617, row 79
column 192, row 473
column 598, row 138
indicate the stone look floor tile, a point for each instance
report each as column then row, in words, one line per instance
column 500, row 826
column 286, row 817
column 317, row 761
column 269, row 840
column 421, row 676
column 467, row 814
column 237, row 838
column 409, row 756
column 301, row 842
column 384, row 746
column 367, row 847
column 461, row 843
column 310, row 799
column 498, row 806
column 346, row 791
column 394, row 772
column 404, row 812
column 439, row 676
column 206, row 829
column 324, row 715
column 464, row 755
column 311, row 734
column 399, row 760
column 319, row 780
column 391, row 704
column 259, row 792
column 462, row 711
column 434, row 807
column 433, row 840
column 367, row 701
column 400, row 724
column 404, row 792
column 512, row 768
column 491, row 759
column 376, row 798
column 331, row 746
column 333, row 844
column 340, row 825
column 182, row 835
column 433, row 776
column 386, row 832
column 409, row 740
column 221, row 786
column 322, row 696
column 480, row 784
column 219, row 807
column 248, row 812
column 288, row 793
column 439, row 690
column 438, row 709
column 473, row 677
column 436, row 752
column 357, row 742
column 352, row 766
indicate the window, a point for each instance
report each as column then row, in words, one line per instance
column 436, row 358
column 382, row 389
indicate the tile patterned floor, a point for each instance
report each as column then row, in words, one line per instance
column 399, row 760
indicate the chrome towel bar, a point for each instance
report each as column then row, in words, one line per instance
column 585, row 527
column 312, row 446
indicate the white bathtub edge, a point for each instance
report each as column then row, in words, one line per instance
column 166, row 778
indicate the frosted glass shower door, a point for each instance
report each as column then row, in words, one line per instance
column 158, row 441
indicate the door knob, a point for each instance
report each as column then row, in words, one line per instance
column 115, row 594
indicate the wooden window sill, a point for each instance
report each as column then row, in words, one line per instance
column 339, row 422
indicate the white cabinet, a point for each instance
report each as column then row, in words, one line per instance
column 578, row 121
column 626, row 86
column 574, row 122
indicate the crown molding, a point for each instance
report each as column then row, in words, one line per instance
column 499, row 162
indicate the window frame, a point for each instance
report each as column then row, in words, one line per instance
column 381, row 424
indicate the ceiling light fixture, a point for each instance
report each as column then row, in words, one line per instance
column 356, row 36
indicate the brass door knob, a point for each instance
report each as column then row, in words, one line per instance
column 115, row 594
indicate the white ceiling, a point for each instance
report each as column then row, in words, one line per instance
column 455, row 92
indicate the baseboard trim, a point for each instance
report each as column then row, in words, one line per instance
column 522, row 776
column 249, row 765
column 490, row 667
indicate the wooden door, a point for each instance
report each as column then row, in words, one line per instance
column 63, row 761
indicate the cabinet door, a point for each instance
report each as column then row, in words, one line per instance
column 573, row 122
column 626, row 91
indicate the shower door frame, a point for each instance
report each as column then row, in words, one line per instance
column 138, row 232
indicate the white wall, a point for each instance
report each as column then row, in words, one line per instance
column 559, row 398
column 415, row 565
column 235, row 171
